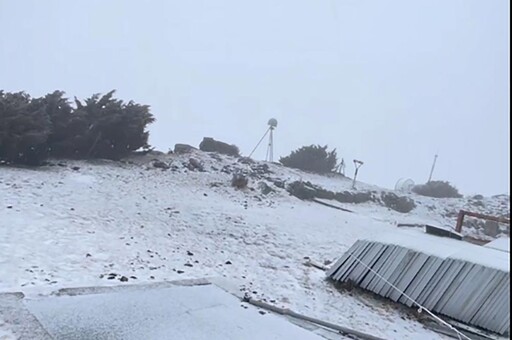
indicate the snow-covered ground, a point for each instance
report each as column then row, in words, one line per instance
column 5, row 334
column 105, row 221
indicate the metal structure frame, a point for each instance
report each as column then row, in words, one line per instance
column 272, row 124
column 463, row 213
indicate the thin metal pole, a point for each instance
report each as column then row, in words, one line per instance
column 259, row 142
column 270, row 150
column 357, row 164
column 290, row 313
column 355, row 176
column 432, row 170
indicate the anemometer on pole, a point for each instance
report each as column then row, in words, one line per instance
column 272, row 124
column 357, row 165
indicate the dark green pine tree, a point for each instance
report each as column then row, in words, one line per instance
column 114, row 128
column 313, row 158
column 24, row 129
column 68, row 126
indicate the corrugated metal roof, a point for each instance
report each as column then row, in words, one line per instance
column 436, row 273
column 444, row 247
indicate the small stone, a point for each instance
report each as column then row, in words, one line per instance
column 194, row 164
column 88, row 255
column 133, row 277
column 161, row 165
column 262, row 312
column 9, row 207
column 76, row 168
column 189, row 253
column 228, row 262
column 180, row 271
column 188, row 265
column 123, row 279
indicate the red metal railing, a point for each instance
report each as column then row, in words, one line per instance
column 462, row 213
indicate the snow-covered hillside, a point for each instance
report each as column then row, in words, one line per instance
column 80, row 223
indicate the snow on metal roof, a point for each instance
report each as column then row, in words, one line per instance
column 444, row 247
column 502, row 244
column 453, row 278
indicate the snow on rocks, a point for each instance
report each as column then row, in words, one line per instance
column 129, row 222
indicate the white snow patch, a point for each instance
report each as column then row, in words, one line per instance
column 502, row 243
column 5, row 333
column 65, row 228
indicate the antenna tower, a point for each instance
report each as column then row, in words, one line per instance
column 272, row 124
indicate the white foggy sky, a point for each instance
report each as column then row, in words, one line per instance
column 388, row 82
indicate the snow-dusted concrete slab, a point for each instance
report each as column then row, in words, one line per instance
column 18, row 320
column 158, row 312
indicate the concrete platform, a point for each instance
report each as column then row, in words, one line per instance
column 160, row 312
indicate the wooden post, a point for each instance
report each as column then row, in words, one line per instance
column 460, row 220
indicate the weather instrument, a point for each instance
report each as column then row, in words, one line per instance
column 340, row 168
column 357, row 165
column 404, row 185
column 272, row 124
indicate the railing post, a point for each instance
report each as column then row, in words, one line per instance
column 460, row 220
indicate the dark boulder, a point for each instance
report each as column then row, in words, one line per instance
column 239, row 181
column 301, row 190
column 211, row 145
column 160, row 165
column 194, row 164
column 492, row 228
column 353, row 197
column 280, row 184
column 183, row 148
column 265, row 188
column 401, row 204
column 325, row 194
